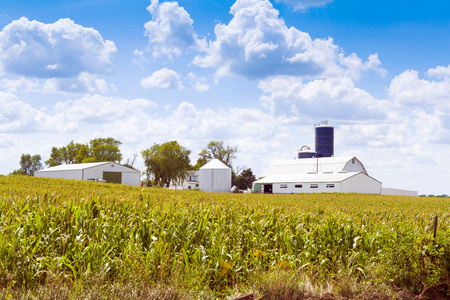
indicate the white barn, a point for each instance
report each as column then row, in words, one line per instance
column 324, row 174
column 110, row 172
column 215, row 176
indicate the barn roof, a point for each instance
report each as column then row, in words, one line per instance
column 309, row 178
column 308, row 165
column 73, row 167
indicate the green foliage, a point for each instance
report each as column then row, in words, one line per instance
column 64, row 232
column 28, row 165
column 216, row 149
column 98, row 150
column 245, row 179
column 167, row 162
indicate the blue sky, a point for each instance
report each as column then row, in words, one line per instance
column 256, row 74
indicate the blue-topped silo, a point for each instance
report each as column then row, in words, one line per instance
column 324, row 140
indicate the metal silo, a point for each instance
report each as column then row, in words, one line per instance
column 324, row 139
column 306, row 152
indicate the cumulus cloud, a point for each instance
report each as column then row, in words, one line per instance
column 62, row 49
column 334, row 98
column 408, row 90
column 305, row 4
column 200, row 84
column 84, row 83
column 23, row 83
column 439, row 72
column 171, row 30
column 257, row 44
column 162, row 79
column 19, row 117
column 97, row 109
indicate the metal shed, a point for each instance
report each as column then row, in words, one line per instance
column 215, row 176
column 110, row 172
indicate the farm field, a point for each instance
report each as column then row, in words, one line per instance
column 66, row 239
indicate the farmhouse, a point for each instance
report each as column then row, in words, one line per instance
column 110, row 172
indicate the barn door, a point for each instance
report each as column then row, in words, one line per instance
column 112, row 177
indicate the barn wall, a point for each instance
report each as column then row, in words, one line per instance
column 322, row 187
column 129, row 176
column 68, row 174
column 361, row 183
column 399, row 192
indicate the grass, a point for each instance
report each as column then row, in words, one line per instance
column 74, row 239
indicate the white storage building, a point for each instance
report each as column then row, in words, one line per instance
column 215, row 176
column 324, row 174
column 110, row 172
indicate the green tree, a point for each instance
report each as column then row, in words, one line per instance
column 98, row 150
column 167, row 162
column 216, row 149
column 28, row 164
column 56, row 158
column 102, row 149
column 245, row 179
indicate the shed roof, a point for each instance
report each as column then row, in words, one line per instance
column 73, row 167
column 307, row 165
column 215, row 164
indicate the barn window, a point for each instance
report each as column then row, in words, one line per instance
column 283, row 186
column 353, row 161
column 330, row 185
column 314, row 186
column 298, row 186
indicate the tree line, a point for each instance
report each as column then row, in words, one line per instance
column 165, row 163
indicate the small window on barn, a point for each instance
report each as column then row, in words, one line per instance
column 353, row 161
column 314, row 186
column 330, row 185
column 197, row 185
column 283, row 186
column 189, row 187
column 298, row 186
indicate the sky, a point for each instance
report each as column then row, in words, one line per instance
column 256, row 74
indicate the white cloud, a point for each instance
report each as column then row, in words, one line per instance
column 257, row 44
column 85, row 83
column 334, row 98
column 19, row 117
column 200, row 84
column 62, row 49
column 171, row 30
column 98, row 109
column 408, row 90
column 162, row 79
column 12, row 85
column 439, row 72
column 305, row 4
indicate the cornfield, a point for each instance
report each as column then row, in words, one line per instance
column 65, row 232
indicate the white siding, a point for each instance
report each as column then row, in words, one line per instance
column 92, row 170
column 68, row 174
column 399, row 192
column 361, row 183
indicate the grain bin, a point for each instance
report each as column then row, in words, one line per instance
column 215, row 176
